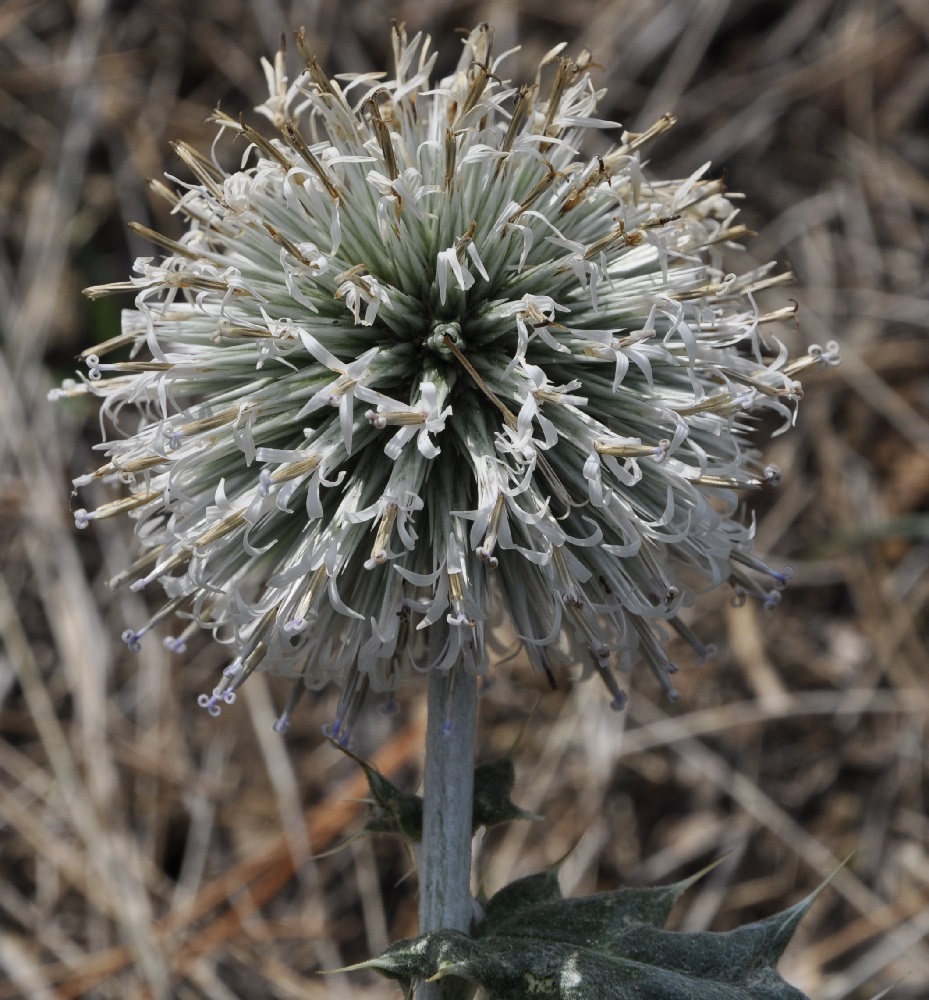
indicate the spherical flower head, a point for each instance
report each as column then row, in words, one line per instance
column 419, row 364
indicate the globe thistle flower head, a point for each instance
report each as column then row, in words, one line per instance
column 420, row 363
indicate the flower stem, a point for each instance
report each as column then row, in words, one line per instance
column 445, row 855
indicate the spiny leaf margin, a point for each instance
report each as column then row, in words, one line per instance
column 532, row 944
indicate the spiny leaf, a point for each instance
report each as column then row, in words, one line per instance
column 401, row 813
column 589, row 920
column 534, row 945
column 493, row 786
column 521, row 896
column 394, row 811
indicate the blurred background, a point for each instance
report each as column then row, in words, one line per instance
column 148, row 850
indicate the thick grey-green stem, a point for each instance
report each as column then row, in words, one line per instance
column 445, row 853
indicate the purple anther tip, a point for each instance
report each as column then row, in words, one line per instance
column 708, row 653
column 131, row 639
column 336, row 733
column 210, row 703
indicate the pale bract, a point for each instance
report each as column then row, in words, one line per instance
column 420, row 370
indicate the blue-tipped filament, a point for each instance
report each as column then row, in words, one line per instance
column 618, row 697
column 234, row 676
column 703, row 650
column 390, row 705
column 296, row 693
column 131, row 639
column 210, row 703
column 348, row 709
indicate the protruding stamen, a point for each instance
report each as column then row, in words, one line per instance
column 723, row 403
column 314, row 588
column 115, row 507
column 296, row 693
column 457, row 597
column 655, row 656
column 234, row 676
column 540, row 187
column 120, row 467
column 349, row 708
column 633, row 449
column 299, row 144
column 390, row 705
column 384, row 529
column 147, row 559
column 210, row 703
column 451, row 153
column 292, row 470
column 703, row 650
column 229, row 523
column 248, row 663
column 464, row 241
column 592, row 179
column 317, row 75
column 817, row 356
column 220, row 419
column 485, row 550
column 113, row 344
column 619, row 697
column 178, row 644
column 478, row 84
column 618, row 237
column 174, row 561
column 779, row 316
column 288, row 244
column 131, row 639
column 205, row 171
column 166, row 194
column 728, row 482
column 96, row 369
column 254, row 137
column 633, row 141
column 372, row 114
column 520, row 111
column 566, row 72
column 395, row 418
column 172, row 246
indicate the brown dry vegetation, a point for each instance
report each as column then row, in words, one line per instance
column 147, row 850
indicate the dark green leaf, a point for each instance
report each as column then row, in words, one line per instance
column 533, row 945
column 393, row 811
column 519, row 897
column 401, row 813
column 493, row 786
